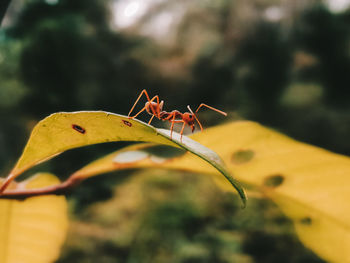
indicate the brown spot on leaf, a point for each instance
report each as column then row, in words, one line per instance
column 164, row 151
column 306, row 220
column 78, row 128
column 274, row 180
column 242, row 156
column 127, row 123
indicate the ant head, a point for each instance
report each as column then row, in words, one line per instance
column 193, row 118
column 188, row 118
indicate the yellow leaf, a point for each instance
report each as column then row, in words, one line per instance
column 63, row 131
column 310, row 185
column 33, row 230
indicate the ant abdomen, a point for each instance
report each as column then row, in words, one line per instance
column 151, row 107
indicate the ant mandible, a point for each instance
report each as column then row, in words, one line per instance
column 155, row 108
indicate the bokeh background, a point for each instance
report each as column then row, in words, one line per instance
column 285, row 64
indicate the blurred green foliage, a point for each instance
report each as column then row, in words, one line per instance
column 291, row 73
column 175, row 217
column 70, row 55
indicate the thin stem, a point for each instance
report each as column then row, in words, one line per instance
column 58, row 189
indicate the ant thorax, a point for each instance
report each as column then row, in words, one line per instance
column 173, row 115
column 164, row 114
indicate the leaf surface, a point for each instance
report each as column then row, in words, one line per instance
column 63, row 131
column 310, row 185
column 33, row 230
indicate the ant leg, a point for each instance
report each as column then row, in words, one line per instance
column 149, row 100
column 212, row 108
column 144, row 108
column 142, row 92
column 133, row 117
column 150, row 120
column 156, row 111
column 172, row 126
column 182, row 130
column 171, row 115
column 200, row 125
column 173, row 121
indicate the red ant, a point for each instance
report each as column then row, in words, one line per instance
column 156, row 110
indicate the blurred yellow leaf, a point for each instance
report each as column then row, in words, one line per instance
column 63, row 131
column 33, row 230
column 308, row 183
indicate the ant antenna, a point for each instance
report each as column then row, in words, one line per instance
column 212, row 108
column 200, row 125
